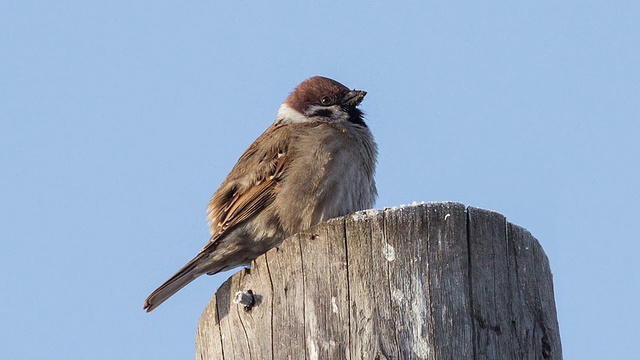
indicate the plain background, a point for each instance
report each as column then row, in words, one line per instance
column 119, row 119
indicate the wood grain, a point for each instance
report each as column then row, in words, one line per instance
column 431, row 281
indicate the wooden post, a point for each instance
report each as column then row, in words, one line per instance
column 431, row 281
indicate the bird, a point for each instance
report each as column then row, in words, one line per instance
column 315, row 162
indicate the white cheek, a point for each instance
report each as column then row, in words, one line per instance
column 289, row 115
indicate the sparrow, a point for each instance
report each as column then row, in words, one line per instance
column 315, row 162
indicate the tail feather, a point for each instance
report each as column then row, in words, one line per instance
column 184, row 276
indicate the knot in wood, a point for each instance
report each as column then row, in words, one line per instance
column 245, row 298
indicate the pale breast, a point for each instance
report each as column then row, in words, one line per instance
column 332, row 175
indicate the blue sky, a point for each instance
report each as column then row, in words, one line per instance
column 118, row 121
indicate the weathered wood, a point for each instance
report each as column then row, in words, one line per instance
column 432, row 281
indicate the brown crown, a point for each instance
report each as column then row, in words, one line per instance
column 312, row 90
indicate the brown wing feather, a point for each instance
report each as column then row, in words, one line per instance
column 244, row 196
column 247, row 204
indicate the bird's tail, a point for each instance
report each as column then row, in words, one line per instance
column 184, row 276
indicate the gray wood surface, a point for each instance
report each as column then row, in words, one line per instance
column 430, row 281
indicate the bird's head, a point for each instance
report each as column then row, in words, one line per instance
column 322, row 99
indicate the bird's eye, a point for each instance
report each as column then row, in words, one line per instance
column 326, row 101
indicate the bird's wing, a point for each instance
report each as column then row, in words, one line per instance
column 252, row 183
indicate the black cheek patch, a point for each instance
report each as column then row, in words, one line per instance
column 323, row 113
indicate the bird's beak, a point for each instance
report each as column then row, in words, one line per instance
column 353, row 97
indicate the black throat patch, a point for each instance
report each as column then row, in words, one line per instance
column 356, row 116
